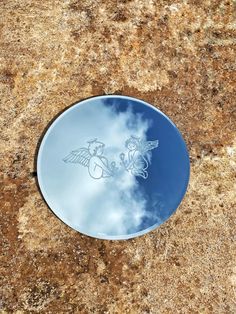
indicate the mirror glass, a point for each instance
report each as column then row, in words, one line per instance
column 113, row 167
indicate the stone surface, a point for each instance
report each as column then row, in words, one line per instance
column 179, row 56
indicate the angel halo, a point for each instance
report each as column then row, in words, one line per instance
column 113, row 167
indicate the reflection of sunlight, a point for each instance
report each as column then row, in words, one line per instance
column 112, row 206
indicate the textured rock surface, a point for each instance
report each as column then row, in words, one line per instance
column 179, row 56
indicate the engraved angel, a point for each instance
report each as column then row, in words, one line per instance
column 92, row 157
column 137, row 159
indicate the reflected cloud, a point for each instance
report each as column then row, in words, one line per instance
column 116, row 205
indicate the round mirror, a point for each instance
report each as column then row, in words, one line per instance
column 113, row 167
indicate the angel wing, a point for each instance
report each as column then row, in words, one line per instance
column 145, row 146
column 81, row 156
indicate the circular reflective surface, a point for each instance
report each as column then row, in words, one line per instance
column 113, row 167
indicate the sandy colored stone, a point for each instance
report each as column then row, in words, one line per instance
column 180, row 57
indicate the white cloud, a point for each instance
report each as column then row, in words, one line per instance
column 108, row 206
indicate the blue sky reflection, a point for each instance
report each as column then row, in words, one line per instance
column 122, row 204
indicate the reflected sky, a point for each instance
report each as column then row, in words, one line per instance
column 122, row 204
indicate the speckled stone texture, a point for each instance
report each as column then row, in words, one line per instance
column 180, row 57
